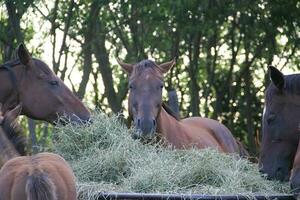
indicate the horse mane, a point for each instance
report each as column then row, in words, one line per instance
column 139, row 68
column 291, row 86
column 170, row 111
column 17, row 61
column 11, row 63
column 15, row 134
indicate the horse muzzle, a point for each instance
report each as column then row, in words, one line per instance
column 72, row 118
column 277, row 174
column 145, row 129
column 80, row 119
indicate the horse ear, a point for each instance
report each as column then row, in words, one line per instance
column 127, row 67
column 23, row 54
column 13, row 114
column 165, row 67
column 276, row 77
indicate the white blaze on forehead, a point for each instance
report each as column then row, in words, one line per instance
column 146, row 87
column 148, row 76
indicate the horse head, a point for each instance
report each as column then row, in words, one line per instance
column 145, row 94
column 280, row 125
column 43, row 95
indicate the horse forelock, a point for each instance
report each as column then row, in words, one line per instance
column 146, row 66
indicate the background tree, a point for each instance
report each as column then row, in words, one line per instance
column 222, row 50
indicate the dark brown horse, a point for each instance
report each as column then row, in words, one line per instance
column 281, row 120
column 44, row 176
column 150, row 115
column 43, row 95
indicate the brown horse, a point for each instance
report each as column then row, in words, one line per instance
column 44, row 176
column 150, row 115
column 43, row 95
column 281, row 119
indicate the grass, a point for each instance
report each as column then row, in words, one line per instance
column 105, row 158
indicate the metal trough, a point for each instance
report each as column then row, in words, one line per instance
column 152, row 196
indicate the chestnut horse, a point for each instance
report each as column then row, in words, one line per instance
column 44, row 176
column 150, row 115
column 43, row 95
column 280, row 151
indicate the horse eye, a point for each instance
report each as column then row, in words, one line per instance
column 277, row 140
column 160, row 87
column 54, row 83
column 131, row 87
column 271, row 118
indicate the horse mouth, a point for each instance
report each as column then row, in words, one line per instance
column 144, row 129
column 72, row 118
column 139, row 135
column 279, row 175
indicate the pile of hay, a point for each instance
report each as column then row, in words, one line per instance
column 104, row 157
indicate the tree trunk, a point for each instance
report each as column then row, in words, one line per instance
column 193, row 73
column 87, row 48
column 14, row 31
column 249, row 113
column 102, row 58
column 32, row 133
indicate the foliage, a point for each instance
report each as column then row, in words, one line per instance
column 222, row 49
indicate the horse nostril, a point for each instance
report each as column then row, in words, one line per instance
column 279, row 169
column 154, row 123
column 280, row 174
column 138, row 123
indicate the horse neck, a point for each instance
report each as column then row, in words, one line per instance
column 167, row 125
column 296, row 163
column 8, row 91
column 7, row 149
